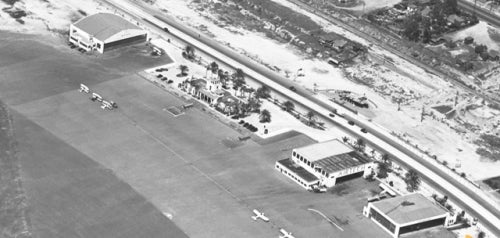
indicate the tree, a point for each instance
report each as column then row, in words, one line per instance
column 481, row 234
column 450, row 7
column 254, row 104
column 412, row 180
column 184, row 69
column 480, row 49
column 265, row 116
column 411, row 27
column 238, row 78
column 288, row 106
column 310, row 117
column 383, row 169
column 426, row 36
column 360, row 144
column 189, row 52
column 214, row 67
column 263, row 92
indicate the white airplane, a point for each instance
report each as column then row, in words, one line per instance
column 259, row 215
column 95, row 97
column 84, row 88
column 106, row 105
column 285, row 234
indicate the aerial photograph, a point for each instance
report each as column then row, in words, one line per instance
column 250, row 118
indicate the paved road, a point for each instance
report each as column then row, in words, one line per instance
column 480, row 12
column 465, row 194
column 390, row 48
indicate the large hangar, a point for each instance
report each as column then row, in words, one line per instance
column 105, row 31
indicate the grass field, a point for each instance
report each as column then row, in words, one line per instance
column 90, row 172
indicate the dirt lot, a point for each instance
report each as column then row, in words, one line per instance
column 81, row 164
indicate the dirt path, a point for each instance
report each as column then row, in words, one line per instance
column 14, row 221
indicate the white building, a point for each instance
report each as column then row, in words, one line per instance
column 104, row 31
column 330, row 162
column 406, row 214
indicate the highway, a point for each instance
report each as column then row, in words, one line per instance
column 464, row 194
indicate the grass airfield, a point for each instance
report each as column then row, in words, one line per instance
column 88, row 172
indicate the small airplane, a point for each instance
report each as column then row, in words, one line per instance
column 106, row 105
column 96, row 97
column 84, row 88
column 259, row 215
column 285, row 234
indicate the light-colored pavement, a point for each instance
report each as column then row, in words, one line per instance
column 465, row 194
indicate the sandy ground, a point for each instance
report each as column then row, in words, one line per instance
column 323, row 76
column 481, row 34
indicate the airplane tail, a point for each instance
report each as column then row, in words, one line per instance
column 255, row 218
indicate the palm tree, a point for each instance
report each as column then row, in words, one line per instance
column 254, row 104
column 189, row 51
column 310, row 117
column 412, row 180
column 263, row 92
column 248, row 90
column 214, row 67
column 288, row 106
column 265, row 116
column 238, row 78
column 360, row 144
column 184, row 69
column 383, row 169
column 345, row 139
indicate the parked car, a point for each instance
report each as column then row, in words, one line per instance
column 170, row 81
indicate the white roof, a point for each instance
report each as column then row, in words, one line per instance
column 104, row 25
column 322, row 150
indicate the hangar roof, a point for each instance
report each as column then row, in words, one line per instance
column 104, row 25
column 323, row 150
column 409, row 208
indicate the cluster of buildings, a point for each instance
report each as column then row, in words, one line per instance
column 328, row 163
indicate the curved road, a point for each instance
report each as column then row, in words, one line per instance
column 465, row 195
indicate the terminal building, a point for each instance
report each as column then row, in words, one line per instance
column 406, row 214
column 104, row 31
column 325, row 164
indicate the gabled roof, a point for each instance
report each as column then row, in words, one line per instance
column 104, row 25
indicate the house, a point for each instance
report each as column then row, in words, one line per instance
column 104, row 31
column 426, row 11
column 339, row 45
column 494, row 55
column 453, row 19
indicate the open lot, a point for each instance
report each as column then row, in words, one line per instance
column 77, row 160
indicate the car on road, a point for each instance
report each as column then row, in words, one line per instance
column 292, row 88
column 363, row 130
column 351, row 123
column 331, row 114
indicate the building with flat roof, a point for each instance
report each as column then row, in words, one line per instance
column 405, row 214
column 330, row 162
column 104, row 31
column 296, row 173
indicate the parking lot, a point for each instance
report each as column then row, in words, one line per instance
column 182, row 164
